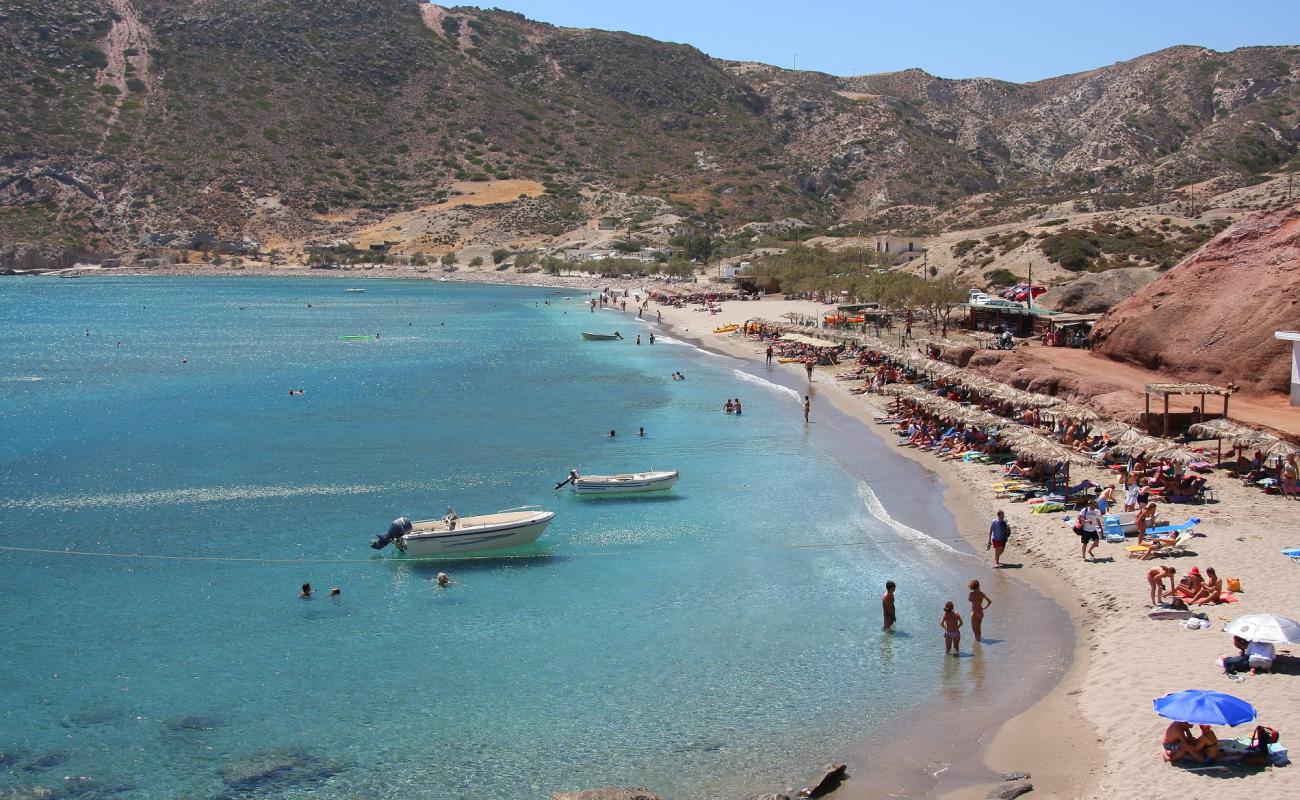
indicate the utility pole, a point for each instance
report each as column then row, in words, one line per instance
column 1031, row 283
column 925, row 266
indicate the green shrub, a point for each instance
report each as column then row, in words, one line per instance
column 476, row 261
column 964, row 246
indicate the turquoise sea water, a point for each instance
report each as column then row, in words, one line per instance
column 707, row 643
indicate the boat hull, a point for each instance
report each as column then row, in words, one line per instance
column 475, row 534
column 600, row 337
column 632, row 483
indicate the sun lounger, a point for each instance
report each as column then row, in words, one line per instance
column 1179, row 528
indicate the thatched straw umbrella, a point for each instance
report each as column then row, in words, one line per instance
column 1073, row 411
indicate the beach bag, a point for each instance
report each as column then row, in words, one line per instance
column 1234, row 584
column 1258, row 755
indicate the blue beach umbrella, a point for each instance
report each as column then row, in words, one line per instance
column 1201, row 707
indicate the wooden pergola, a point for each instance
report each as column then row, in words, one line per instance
column 1166, row 390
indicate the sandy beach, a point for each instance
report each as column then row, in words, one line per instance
column 1095, row 734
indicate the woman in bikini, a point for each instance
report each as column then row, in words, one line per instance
column 951, row 624
column 1156, row 580
column 978, row 602
column 1211, row 592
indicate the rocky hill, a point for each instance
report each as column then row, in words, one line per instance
column 131, row 121
column 1227, row 299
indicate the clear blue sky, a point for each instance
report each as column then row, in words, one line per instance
column 1014, row 40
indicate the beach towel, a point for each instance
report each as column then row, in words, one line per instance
column 1168, row 613
column 1048, row 507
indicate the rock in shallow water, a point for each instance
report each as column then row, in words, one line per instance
column 276, row 770
column 607, row 793
column 825, row 781
column 44, row 761
column 1010, row 791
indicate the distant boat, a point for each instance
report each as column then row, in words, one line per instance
column 624, row 483
column 438, row 537
column 354, row 291
column 70, row 275
column 602, row 337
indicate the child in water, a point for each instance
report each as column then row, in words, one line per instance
column 951, row 624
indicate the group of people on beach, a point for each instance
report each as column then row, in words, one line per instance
column 733, row 407
column 950, row 621
column 1193, row 589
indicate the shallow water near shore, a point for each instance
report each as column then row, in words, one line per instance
column 711, row 642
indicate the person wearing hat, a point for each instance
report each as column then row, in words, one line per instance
column 1191, row 585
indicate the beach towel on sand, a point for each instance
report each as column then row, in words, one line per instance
column 1047, row 508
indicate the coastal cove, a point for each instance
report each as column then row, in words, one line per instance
column 720, row 641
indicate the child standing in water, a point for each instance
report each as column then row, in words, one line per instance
column 951, row 624
column 978, row 602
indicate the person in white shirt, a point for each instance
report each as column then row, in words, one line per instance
column 1260, row 655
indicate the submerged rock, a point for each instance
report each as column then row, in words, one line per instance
column 10, row 756
column 28, row 793
column 1010, row 791
column 93, row 716
column 276, row 770
column 607, row 793
column 44, row 761
column 771, row 796
column 825, row 781
column 84, row 788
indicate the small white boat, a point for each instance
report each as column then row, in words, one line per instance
column 602, row 337
column 354, row 291
column 442, row 537
column 625, row 483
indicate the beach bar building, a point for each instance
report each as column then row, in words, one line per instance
column 1181, row 421
column 1294, row 338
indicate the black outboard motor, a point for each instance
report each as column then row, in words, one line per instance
column 400, row 527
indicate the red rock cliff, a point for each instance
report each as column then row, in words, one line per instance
column 1212, row 317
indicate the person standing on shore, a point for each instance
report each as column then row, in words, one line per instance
column 999, row 532
column 887, row 605
column 978, row 602
column 769, row 355
column 951, row 624
column 808, row 367
column 807, row 406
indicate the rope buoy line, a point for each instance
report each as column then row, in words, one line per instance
column 372, row 560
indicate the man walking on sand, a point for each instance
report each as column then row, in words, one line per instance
column 999, row 532
column 887, row 604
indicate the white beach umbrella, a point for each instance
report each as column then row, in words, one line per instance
column 1265, row 628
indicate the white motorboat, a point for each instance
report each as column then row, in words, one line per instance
column 625, row 483
column 455, row 535
column 354, row 290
